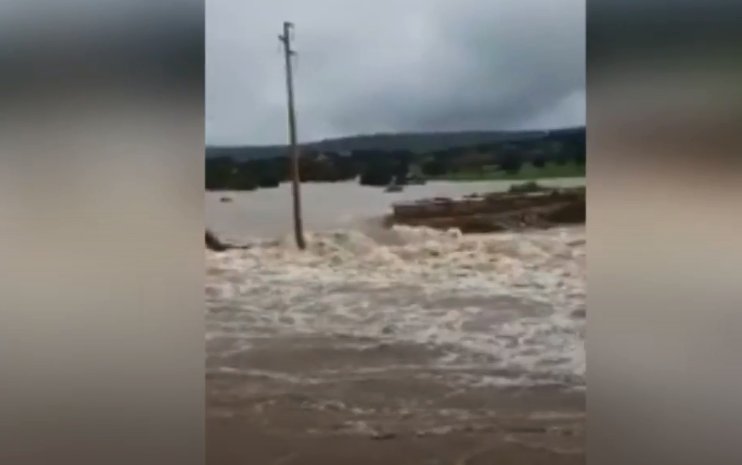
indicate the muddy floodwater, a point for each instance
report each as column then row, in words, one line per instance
column 391, row 346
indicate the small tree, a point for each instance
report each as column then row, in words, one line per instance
column 218, row 172
column 378, row 171
column 510, row 162
column 539, row 161
column 433, row 168
column 562, row 157
column 242, row 179
column 580, row 151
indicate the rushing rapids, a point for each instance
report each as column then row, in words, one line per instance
column 500, row 309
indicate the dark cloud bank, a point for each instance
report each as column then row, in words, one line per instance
column 393, row 66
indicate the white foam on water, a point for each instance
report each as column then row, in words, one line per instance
column 513, row 303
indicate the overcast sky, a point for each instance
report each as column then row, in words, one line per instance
column 393, row 65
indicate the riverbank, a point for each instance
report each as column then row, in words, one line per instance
column 525, row 206
column 527, row 173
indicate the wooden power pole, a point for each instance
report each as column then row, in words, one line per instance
column 295, row 180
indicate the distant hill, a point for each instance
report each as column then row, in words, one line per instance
column 415, row 142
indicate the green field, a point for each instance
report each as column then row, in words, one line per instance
column 527, row 172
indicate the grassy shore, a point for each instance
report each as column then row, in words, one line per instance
column 527, row 172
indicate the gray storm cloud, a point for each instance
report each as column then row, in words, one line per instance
column 394, row 65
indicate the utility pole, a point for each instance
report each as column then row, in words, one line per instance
column 295, row 181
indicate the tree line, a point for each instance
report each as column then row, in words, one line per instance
column 380, row 167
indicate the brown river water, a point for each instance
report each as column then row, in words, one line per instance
column 401, row 333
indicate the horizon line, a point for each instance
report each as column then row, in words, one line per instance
column 398, row 133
